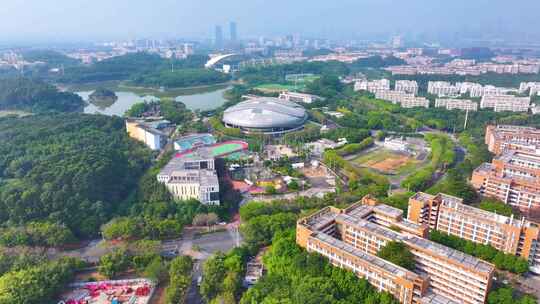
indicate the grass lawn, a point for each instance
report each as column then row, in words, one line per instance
column 374, row 156
column 276, row 87
column 14, row 112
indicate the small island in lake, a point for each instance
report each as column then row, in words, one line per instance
column 103, row 98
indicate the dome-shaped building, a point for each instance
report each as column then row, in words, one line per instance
column 265, row 115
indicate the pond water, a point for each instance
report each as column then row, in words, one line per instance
column 193, row 99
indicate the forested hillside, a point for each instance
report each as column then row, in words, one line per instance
column 66, row 169
column 36, row 96
column 128, row 66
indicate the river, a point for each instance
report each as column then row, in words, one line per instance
column 194, row 99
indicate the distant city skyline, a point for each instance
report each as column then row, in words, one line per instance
column 85, row 20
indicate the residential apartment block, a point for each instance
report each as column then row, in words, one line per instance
column 405, row 100
column 460, row 104
column 407, row 86
column 373, row 86
column 533, row 87
column 501, row 103
column 448, row 214
column 442, row 88
column 474, row 89
column 350, row 238
column 396, row 97
column 502, row 138
column 512, row 177
column 415, row 102
column 192, row 176
column 514, row 174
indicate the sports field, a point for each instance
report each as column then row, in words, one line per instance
column 277, row 88
column 193, row 141
column 387, row 162
column 301, row 78
column 228, row 147
column 233, row 148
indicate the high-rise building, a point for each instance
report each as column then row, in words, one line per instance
column 351, row 238
column 514, row 174
column 234, row 34
column 397, row 42
column 503, row 138
column 512, row 177
column 218, row 37
column 448, row 214
column 188, row 49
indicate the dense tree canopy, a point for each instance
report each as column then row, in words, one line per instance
column 376, row 62
column 397, row 253
column 172, row 110
column 488, row 253
column 507, row 295
column 36, row 96
column 180, row 78
column 72, row 169
column 179, row 279
column 295, row 276
column 50, row 57
column 496, row 206
column 126, row 67
column 37, row 284
column 277, row 73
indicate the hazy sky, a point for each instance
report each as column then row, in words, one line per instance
column 124, row 19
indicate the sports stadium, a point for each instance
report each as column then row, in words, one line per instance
column 265, row 115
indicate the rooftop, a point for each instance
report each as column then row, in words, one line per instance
column 423, row 197
column 367, row 225
column 202, row 177
column 465, row 260
column 320, row 219
column 388, row 210
column 368, row 258
column 265, row 112
column 432, row 298
column 513, row 156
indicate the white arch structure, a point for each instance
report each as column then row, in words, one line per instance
column 214, row 60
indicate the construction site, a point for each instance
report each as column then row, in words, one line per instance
column 135, row 291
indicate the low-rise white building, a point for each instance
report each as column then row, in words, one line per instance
column 396, row 97
column 372, row 86
column 534, row 88
column 407, row 86
column 396, row 144
column 405, row 100
column 415, row 102
column 442, row 88
column 148, row 131
column 461, row 104
column 299, row 97
column 474, row 89
column 318, row 147
column 501, row 103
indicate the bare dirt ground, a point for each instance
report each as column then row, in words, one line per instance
column 311, row 172
column 389, row 165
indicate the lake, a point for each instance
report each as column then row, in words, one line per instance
column 194, row 99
